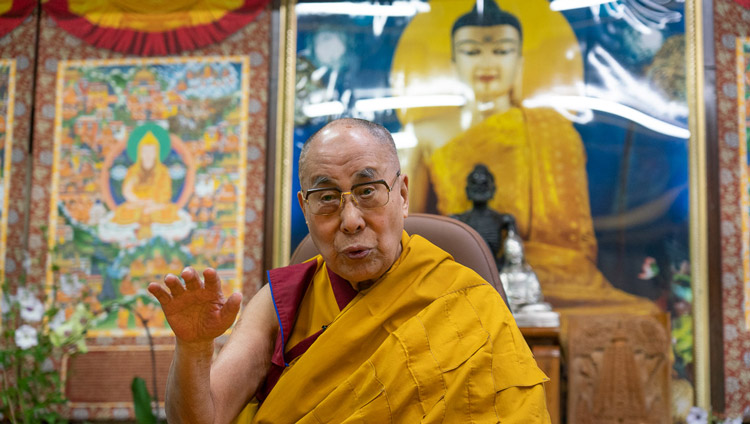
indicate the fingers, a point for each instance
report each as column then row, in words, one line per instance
column 159, row 293
column 192, row 279
column 231, row 307
column 212, row 280
column 174, row 284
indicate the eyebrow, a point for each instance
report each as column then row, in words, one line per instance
column 366, row 173
column 320, row 180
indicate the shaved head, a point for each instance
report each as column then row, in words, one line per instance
column 379, row 133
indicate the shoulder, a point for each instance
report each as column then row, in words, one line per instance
column 294, row 273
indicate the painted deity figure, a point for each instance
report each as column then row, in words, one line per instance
column 147, row 186
column 535, row 154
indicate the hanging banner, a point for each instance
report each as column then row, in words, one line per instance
column 13, row 12
column 153, row 28
column 148, row 177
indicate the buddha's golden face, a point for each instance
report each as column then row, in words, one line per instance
column 488, row 59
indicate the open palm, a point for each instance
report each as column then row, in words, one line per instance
column 197, row 311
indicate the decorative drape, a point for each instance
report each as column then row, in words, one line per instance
column 13, row 12
column 152, row 27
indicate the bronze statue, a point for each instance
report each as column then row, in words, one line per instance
column 490, row 224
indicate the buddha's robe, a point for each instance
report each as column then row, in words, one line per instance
column 430, row 341
column 157, row 188
column 539, row 165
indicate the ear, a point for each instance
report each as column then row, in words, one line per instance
column 404, row 193
column 516, row 95
column 301, row 201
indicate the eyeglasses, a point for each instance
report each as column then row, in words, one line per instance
column 369, row 195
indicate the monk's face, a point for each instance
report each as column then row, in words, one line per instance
column 488, row 59
column 148, row 156
column 357, row 244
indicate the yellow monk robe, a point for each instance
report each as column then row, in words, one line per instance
column 430, row 341
column 538, row 161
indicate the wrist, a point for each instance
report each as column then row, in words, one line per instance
column 203, row 348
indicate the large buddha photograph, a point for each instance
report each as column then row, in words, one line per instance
column 148, row 177
column 575, row 119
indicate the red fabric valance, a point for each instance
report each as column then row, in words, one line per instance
column 143, row 30
column 12, row 17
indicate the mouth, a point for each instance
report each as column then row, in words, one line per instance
column 356, row 252
column 486, row 78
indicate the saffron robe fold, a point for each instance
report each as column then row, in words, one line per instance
column 430, row 341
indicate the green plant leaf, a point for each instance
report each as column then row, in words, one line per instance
column 142, row 402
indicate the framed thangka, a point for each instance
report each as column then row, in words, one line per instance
column 7, row 97
column 743, row 120
column 148, row 177
column 581, row 115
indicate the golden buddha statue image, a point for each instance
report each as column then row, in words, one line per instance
column 148, row 209
column 536, row 157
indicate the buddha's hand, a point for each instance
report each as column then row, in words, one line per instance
column 197, row 311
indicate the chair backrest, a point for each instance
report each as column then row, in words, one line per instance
column 463, row 243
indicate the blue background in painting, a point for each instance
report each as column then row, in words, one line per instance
column 628, row 165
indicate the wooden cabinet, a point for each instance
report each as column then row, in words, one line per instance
column 545, row 345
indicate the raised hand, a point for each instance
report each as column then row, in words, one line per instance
column 198, row 311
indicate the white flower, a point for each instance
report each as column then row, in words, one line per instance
column 32, row 310
column 26, row 336
column 697, row 415
column 737, row 420
column 22, row 294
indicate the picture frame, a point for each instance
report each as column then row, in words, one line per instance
column 7, row 102
column 192, row 156
column 370, row 38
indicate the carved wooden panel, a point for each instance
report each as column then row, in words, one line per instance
column 619, row 370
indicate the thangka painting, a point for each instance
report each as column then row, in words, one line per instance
column 7, row 96
column 148, row 177
column 743, row 116
column 578, row 116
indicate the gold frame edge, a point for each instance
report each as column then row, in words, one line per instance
column 285, row 133
column 698, row 208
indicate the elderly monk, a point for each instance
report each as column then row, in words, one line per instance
column 381, row 326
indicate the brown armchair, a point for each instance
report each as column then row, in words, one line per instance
column 465, row 245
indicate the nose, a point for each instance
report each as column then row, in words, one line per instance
column 351, row 216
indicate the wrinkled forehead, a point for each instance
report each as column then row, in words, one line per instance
column 339, row 158
column 343, row 180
